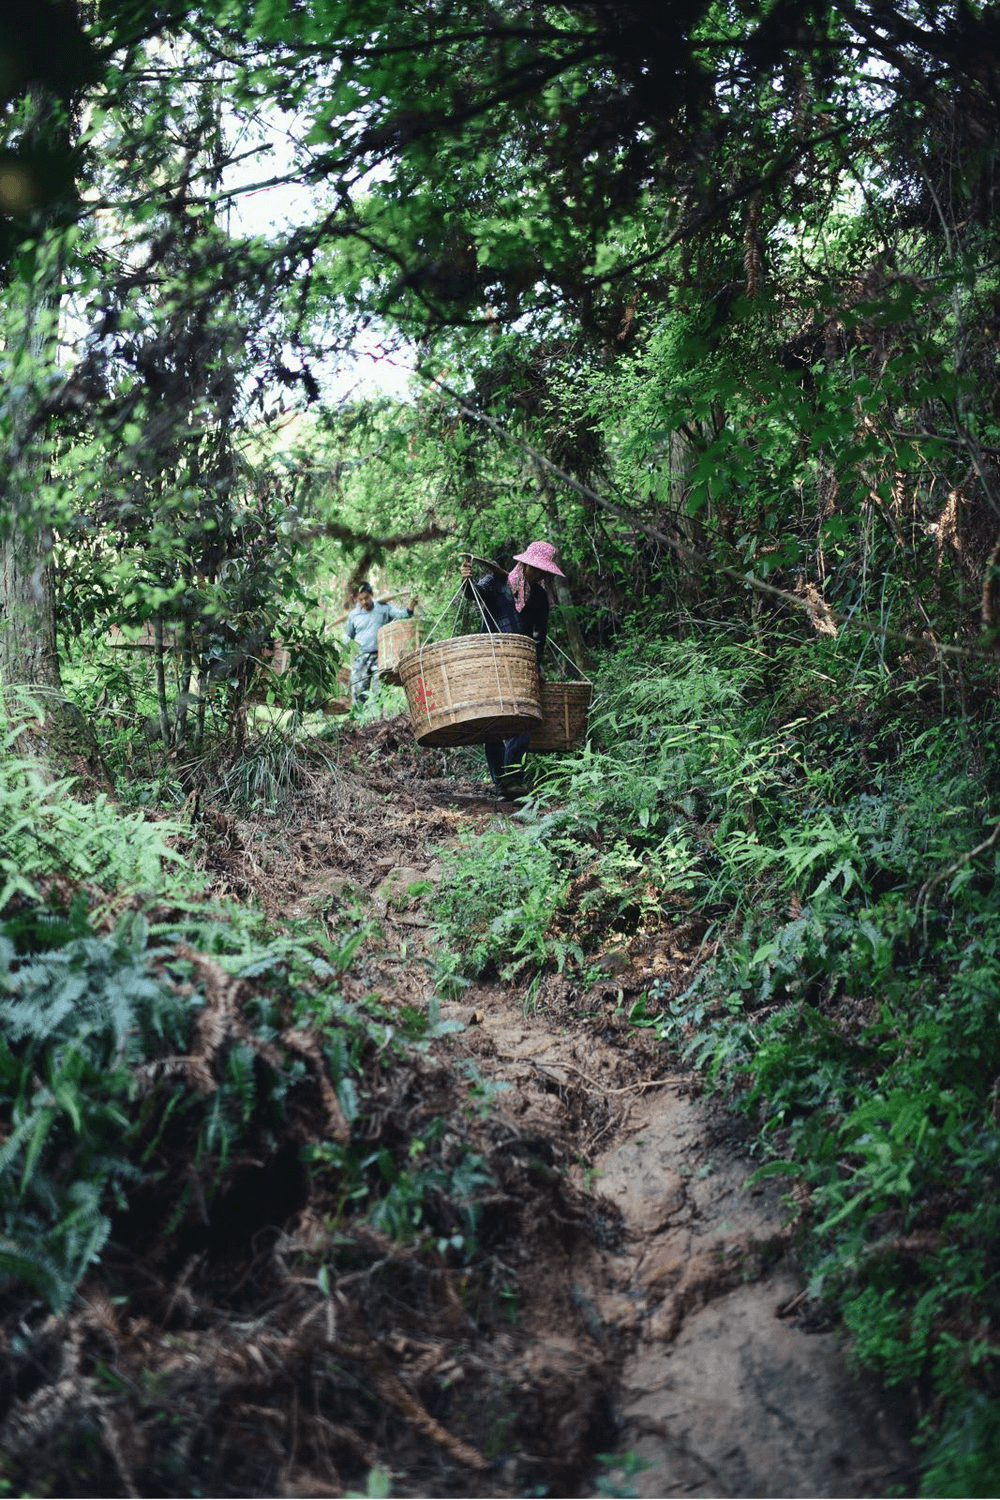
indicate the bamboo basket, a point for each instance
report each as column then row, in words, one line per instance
column 565, row 706
column 472, row 689
column 392, row 642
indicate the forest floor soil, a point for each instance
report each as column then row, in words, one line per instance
column 633, row 1322
column 679, row 1321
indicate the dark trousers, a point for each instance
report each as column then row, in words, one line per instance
column 364, row 676
column 505, row 757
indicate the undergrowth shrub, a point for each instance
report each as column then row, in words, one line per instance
column 851, row 1012
column 74, row 1021
column 112, row 1090
column 137, row 1063
column 269, row 769
column 500, row 894
column 611, row 834
column 45, row 831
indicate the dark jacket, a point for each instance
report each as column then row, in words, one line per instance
column 501, row 613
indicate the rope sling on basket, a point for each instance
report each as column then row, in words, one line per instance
column 565, row 706
column 471, row 689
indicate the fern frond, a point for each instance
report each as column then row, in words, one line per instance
column 29, row 1265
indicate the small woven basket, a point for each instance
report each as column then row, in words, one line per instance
column 472, row 689
column 392, row 642
column 565, row 706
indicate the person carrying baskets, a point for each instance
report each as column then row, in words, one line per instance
column 515, row 603
column 363, row 625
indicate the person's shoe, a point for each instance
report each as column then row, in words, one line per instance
column 512, row 786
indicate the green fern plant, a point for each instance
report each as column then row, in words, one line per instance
column 47, row 832
column 71, row 1028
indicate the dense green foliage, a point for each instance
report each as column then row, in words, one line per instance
column 128, row 1079
column 76, row 1019
column 708, row 295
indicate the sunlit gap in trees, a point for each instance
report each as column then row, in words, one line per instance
column 378, row 362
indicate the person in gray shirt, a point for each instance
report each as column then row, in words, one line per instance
column 363, row 625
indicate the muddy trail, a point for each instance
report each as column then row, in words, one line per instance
column 673, row 1320
column 632, row 1320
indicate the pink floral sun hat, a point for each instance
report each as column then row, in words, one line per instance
column 541, row 555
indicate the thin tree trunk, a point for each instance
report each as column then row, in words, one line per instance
column 686, row 586
column 187, row 676
column 577, row 645
column 161, row 678
column 202, row 701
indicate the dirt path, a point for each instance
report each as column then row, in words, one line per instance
column 674, row 1322
column 724, row 1388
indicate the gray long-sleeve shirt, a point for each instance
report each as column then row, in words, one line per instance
column 363, row 625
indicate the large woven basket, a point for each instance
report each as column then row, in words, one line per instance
column 472, row 689
column 565, row 706
column 392, row 642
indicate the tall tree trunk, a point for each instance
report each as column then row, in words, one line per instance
column 29, row 655
column 187, row 677
column 686, row 582
column 577, row 645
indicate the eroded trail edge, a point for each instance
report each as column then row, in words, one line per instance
column 723, row 1385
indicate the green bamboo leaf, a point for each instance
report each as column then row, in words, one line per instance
column 774, row 1169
